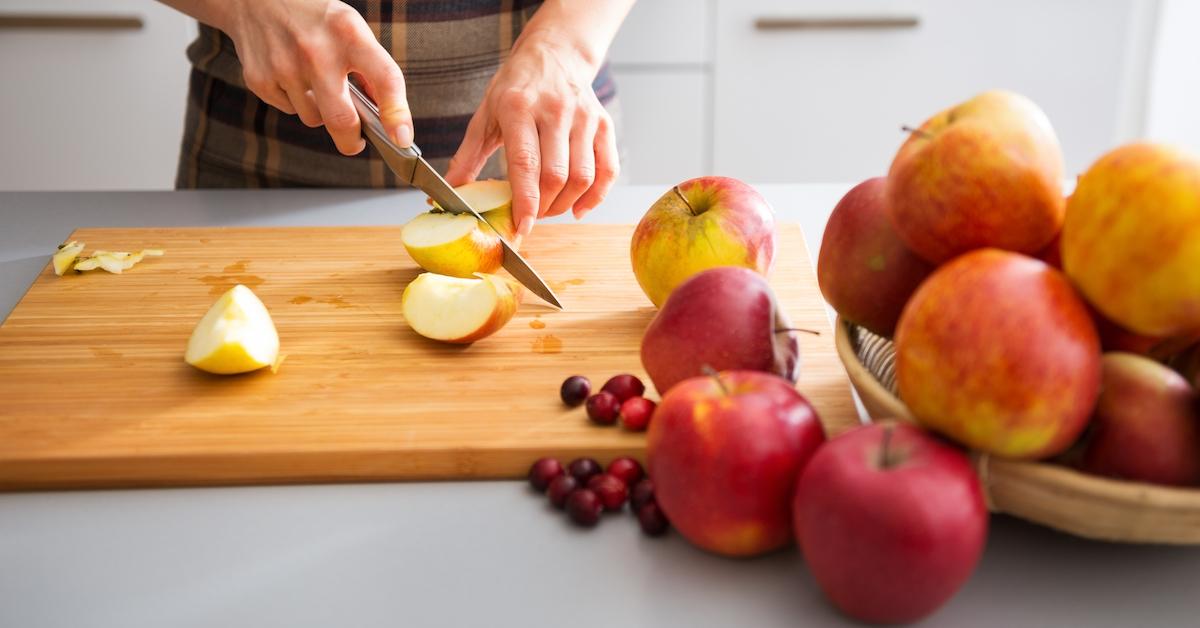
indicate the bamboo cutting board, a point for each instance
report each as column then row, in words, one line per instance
column 94, row 391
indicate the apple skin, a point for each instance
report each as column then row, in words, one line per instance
column 984, row 173
column 699, row 224
column 865, row 270
column 1147, row 424
column 507, row 294
column 478, row 251
column 724, row 318
column 1131, row 239
column 725, row 457
column 889, row 543
column 997, row 351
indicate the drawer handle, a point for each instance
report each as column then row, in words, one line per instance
column 781, row 23
column 70, row 21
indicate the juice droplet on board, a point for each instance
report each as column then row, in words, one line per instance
column 547, row 344
column 236, row 267
column 220, row 284
column 536, row 324
column 300, row 300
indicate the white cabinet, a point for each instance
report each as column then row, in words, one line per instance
column 92, row 107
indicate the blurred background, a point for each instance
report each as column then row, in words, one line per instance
column 769, row 91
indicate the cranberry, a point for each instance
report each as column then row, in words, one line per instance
column 584, row 507
column 642, row 494
column 624, row 386
column 636, row 413
column 651, row 518
column 560, row 488
column 543, row 471
column 610, row 489
column 628, row 469
column 575, row 390
column 603, row 408
column 583, row 469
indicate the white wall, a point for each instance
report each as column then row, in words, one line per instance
column 1173, row 96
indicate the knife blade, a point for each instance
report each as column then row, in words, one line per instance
column 410, row 167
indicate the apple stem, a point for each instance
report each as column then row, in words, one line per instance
column 885, row 461
column 691, row 210
column 814, row 332
column 712, row 372
column 917, row 132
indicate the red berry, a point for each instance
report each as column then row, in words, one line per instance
column 651, row 518
column 603, row 408
column 584, row 507
column 624, row 386
column 560, row 488
column 574, row 390
column 642, row 494
column 636, row 413
column 610, row 489
column 543, row 471
column 628, row 469
column 583, row 469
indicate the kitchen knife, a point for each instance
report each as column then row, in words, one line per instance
column 411, row 168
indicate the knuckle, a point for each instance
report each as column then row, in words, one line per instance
column 342, row 20
column 524, row 158
column 582, row 176
column 517, row 98
column 341, row 119
column 555, row 174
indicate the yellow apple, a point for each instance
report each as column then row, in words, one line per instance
column 1131, row 239
column 236, row 335
column 457, row 309
column 459, row 245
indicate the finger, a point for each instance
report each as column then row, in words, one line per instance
column 521, row 153
column 268, row 91
column 338, row 113
column 385, row 83
column 608, row 166
column 556, row 159
column 305, row 104
column 473, row 153
column 582, row 171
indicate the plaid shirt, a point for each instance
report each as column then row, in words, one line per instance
column 448, row 51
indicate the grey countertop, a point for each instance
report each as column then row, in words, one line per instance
column 459, row 553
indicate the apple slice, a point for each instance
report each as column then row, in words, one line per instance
column 237, row 335
column 65, row 256
column 458, row 244
column 459, row 310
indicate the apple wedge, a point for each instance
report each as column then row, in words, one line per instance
column 459, row 245
column 237, row 335
column 457, row 309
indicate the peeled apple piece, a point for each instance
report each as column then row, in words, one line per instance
column 459, row 310
column 236, row 335
column 68, row 258
column 65, row 256
column 459, row 245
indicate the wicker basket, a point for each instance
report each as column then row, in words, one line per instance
column 1048, row 494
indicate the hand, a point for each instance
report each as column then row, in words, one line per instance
column 296, row 55
column 557, row 137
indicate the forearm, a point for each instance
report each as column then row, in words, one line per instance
column 212, row 12
column 583, row 27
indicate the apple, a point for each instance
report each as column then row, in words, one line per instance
column 459, row 310
column 1147, row 424
column 723, row 318
column 984, row 173
column 236, row 335
column 1187, row 363
column 1113, row 337
column 700, row 224
column 724, row 452
column 891, row 521
column 996, row 351
column 865, row 271
column 1131, row 239
column 460, row 245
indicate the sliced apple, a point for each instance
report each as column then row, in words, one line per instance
column 65, row 256
column 457, row 309
column 458, row 244
column 237, row 335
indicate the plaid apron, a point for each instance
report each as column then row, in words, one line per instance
column 448, row 50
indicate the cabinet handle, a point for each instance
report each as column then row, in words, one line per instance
column 70, row 21
column 782, row 23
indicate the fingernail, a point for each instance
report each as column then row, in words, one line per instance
column 404, row 135
column 524, row 226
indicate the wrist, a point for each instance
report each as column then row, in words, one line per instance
column 576, row 54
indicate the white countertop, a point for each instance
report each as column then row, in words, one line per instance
column 459, row 553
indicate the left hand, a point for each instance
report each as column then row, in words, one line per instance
column 558, row 139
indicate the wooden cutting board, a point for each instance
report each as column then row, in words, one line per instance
column 94, row 391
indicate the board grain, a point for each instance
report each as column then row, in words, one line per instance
column 94, row 391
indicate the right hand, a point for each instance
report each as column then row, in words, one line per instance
column 296, row 55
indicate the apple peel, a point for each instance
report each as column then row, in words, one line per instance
column 68, row 257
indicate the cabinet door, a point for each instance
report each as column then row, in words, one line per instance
column 92, row 107
column 663, row 125
column 800, row 102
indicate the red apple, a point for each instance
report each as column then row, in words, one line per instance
column 997, row 351
column 891, row 522
column 699, row 224
column 1147, row 424
column 1113, row 337
column 984, row 173
column 723, row 318
column 865, row 271
column 724, row 452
